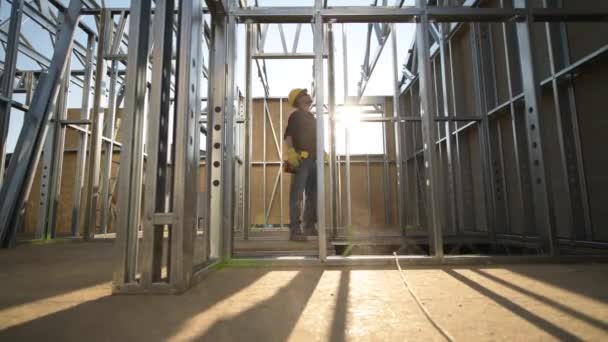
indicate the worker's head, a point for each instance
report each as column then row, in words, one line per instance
column 299, row 98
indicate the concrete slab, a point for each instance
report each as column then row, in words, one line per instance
column 62, row 292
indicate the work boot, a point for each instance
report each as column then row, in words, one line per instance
column 295, row 234
column 311, row 231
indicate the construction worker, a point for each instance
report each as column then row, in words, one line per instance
column 301, row 141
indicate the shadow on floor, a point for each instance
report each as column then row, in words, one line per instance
column 541, row 323
column 569, row 278
column 272, row 319
column 142, row 318
column 33, row 272
column 340, row 319
column 546, row 300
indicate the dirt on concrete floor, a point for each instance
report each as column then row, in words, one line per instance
column 61, row 292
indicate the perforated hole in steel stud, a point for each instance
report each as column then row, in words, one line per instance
column 216, row 145
column 218, row 109
column 216, row 163
column 216, row 182
column 217, row 127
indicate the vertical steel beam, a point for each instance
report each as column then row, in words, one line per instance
column 399, row 149
column 158, row 145
column 368, row 185
column 27, row 151
column 414, row 159
column 108, row 148
column 451, row 190
column 345, row 62
column 250, row 41
column 345, row 85
column 332, row 127
column 54, row 190
column 542, row 216
column 215, row 135
column 511, row 64
column 264, row 169
column 186, row 143
column 231, row 109
column 428, row 113
column 388, row 219
column 320, row 124
column 46, row 178
column 281, row 161
column 132, row 151
column 569, row 140
column 92, row 193
column 483, row 81
column 349, row 210
column 81, row 155
column 8, row 77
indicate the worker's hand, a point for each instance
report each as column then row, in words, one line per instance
column 293, row 158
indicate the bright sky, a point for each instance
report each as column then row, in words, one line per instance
column 283, row 75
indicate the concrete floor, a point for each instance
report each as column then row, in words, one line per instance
column 62, row 292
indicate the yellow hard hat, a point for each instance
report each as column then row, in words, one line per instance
column 293, row 95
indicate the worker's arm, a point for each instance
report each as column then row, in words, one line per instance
column 292, row 156
column 288, row 143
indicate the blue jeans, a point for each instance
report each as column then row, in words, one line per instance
column 304, row 181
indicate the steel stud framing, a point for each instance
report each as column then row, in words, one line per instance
column 158, row 204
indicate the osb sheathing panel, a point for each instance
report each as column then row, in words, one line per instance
column 359, row 201
column 361, row 214
column 411, row 207
column 64, row 218
column 586, row 38
column 591, row 89
column 257, row 194
column 471, row 182
column 500, row 63
column 257, row 217
column 478, row 180
column 258, row 129
column 464, row 83
column 72, row 137
column 390, row 129
column 64, row 210
column 556, row 177
column 444, row 200
column 359, row 193
column 32, row 205
column 512, row 183
column 258, row 198
column 540, row 49
column 473, row 187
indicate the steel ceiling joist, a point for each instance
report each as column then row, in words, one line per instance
column 363, row 14
column 48, row 23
